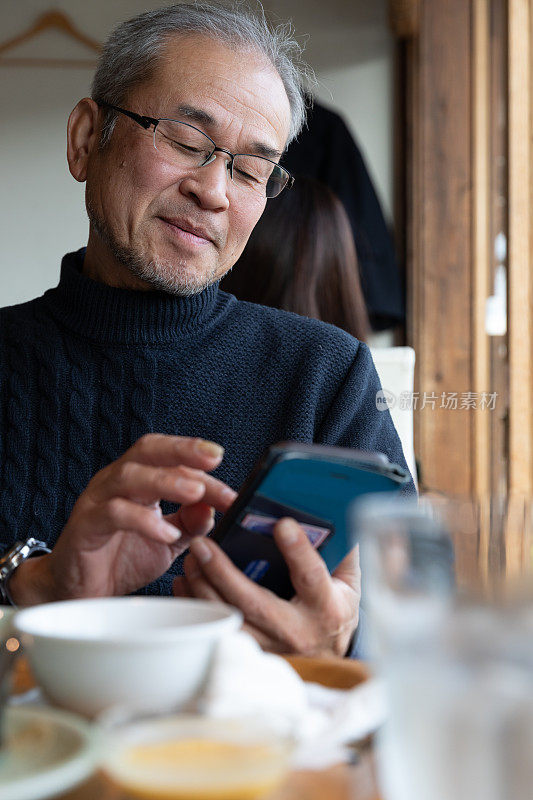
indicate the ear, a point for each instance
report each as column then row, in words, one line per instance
column 82, row 137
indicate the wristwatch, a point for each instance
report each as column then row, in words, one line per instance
column 13, row 558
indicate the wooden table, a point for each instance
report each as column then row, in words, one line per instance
column 337, row 783
column 342, row 782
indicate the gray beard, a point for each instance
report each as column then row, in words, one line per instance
column 162, row 276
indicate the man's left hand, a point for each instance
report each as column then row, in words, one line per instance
column 321, row 617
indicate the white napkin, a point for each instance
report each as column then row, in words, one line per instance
column 245, row 681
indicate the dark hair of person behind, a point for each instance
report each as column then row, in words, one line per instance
column 301, row 257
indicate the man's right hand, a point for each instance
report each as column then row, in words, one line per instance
column 116, row 539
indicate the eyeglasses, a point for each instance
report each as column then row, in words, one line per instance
column 187, row 146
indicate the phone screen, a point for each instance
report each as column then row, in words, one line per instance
column 316, row 493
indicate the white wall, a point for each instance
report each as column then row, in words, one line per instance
column 351, row 49
column 42, row 214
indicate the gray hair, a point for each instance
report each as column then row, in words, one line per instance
column 131, row 53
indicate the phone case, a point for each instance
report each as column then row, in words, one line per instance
column 314, row 484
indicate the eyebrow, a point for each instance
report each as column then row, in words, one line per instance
column 203, row 118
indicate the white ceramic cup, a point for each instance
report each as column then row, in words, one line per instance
column 89, row 655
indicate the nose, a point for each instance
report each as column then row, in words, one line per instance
column 208, row 185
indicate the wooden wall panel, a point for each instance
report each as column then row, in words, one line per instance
column 520, row 256
column 469, row 143
column 404, row 16
column 481, row 260
column 499, row 194
column 441, row 269
column 520, row 269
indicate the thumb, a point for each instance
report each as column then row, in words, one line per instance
column 196, row 519
column 349, row 570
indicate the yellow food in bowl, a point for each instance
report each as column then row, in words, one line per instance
column 199, row 768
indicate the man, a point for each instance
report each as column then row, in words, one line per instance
column 122, row 385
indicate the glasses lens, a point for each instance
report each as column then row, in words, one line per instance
column 278, row 181
column 259, row 174
column 181, row 143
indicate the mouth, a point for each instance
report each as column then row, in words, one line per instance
column 192, row 234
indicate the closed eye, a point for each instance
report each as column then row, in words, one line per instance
column 187, row 148
column 247, row 176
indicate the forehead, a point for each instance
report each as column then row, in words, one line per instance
column 238, row 88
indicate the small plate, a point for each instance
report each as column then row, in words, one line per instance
column 46, row 752
column 6, row 613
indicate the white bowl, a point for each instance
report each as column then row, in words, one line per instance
column 89, row 655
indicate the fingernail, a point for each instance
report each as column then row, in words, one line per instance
column 207, row 448
column 228, row 494
column 211, row 520
column 172, row 534
column 189, row 484
column 201, row 550
column 288, row 531
column 157, row 508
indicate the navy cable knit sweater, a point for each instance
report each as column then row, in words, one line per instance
column 87, row 369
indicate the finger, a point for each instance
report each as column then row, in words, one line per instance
column 147, row 485
column 349, row 570
column 194, row 520
column 197, row 582
column 159, row 449
column 120, row 514
column 217, row 493
column 258, row 605
column 180, row 587
column 307, row 569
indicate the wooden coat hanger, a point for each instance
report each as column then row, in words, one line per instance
column 51, row 20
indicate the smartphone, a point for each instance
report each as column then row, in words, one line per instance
column 315, row 485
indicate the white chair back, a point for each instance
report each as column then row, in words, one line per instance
column 396, row 369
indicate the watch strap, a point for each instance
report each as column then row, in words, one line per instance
column 13, row 558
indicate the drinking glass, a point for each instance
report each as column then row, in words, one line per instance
column 418, row 557
column 407, row 565
column 453, row 638
column 461, row 710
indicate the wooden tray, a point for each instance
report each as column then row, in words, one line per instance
column 336, row 673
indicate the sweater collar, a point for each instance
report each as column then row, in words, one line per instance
column 104, row 313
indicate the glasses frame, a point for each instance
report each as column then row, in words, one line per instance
column 146, row 122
